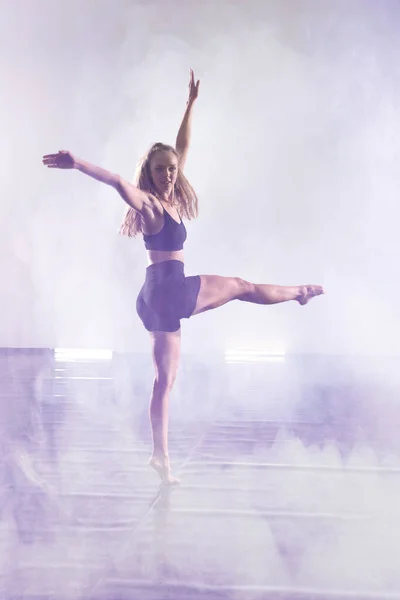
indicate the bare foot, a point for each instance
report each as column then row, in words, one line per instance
column 163, row 468
column 307, row 292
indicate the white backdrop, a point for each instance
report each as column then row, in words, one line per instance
column 295, row 158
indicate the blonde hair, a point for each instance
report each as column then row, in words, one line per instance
column 183, row 192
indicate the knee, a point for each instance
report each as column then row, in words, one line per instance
column 244, row 288
column 165, row 380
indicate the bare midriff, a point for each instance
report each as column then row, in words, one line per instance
column 159, row 256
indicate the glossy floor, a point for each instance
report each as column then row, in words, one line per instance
column 290, row 480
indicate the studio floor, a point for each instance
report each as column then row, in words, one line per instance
column 290, row 480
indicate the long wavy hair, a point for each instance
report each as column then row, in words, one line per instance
column 184, row 195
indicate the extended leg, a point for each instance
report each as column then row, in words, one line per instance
column 264, row 293
column 166, row 352
column 216, row 291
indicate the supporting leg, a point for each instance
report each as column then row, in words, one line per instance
column 166, row 352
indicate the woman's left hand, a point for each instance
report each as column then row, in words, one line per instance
column 193, row 88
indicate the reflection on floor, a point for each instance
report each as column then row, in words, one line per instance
column 290, row 480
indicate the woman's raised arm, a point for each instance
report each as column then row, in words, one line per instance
column 184, row 133
column 134, row 197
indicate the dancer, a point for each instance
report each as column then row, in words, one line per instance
column 157, row 202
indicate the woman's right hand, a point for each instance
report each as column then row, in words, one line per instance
column 62, row 160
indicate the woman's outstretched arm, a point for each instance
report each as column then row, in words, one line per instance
column 136, row 198
column 184, row 133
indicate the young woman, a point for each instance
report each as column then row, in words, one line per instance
column 157, row 202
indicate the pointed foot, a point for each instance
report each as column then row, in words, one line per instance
column 307, row 292
column 163, row 468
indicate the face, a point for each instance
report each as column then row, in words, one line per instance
column 164, row 171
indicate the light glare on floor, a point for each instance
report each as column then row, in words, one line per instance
column 73, row 354
column 242, row 355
